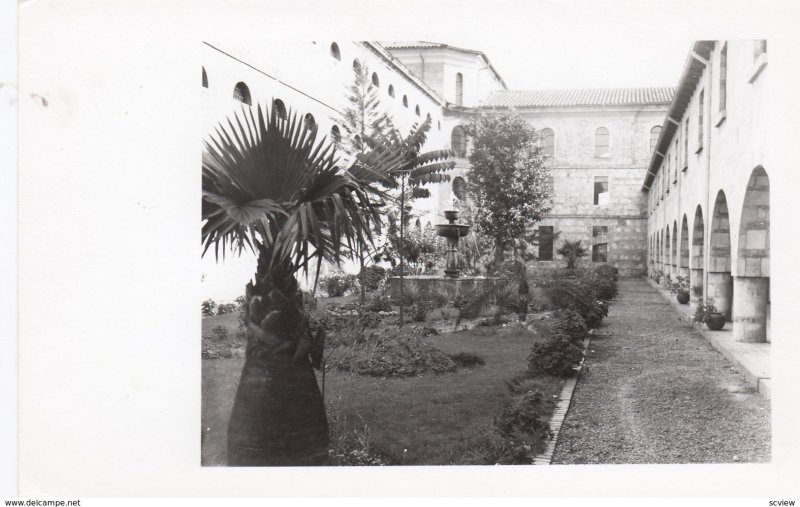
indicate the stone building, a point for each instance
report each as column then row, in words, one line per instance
column 597, row 144
column 707, row 185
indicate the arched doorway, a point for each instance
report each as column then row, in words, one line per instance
column 683, row 260
column 698, row 232
column 751, row 285
column 720, row 282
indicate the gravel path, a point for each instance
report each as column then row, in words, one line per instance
column 655, row 391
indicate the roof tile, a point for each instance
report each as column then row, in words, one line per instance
column 586, row 97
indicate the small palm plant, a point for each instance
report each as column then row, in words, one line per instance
column 572, row 251
column 269, row 186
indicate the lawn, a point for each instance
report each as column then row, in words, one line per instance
column 427, row 420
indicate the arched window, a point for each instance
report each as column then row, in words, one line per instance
column 458, row 142
column 601, row 143
column 428, row 117
column 335, row 51
column 460, row 188
column 356, row 65
column 279, row 109
column 375, row 80
column 416, row 110
column 310, row 121
column 241, row 93
column 405, row 101
column 336, row 135
column 391, row 91
column 548, row 142
column 654, row 133
column 357, row 141
column 459, row 89
column 205, row 78
column 439, row 125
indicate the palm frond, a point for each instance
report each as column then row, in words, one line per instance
column 268, row 181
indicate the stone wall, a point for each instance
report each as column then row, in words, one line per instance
column 574, row 169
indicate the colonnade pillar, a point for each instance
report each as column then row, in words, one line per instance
column 750, row 308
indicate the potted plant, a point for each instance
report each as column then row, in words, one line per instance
column 681, row 288
column 697, row 291
column 708, row 313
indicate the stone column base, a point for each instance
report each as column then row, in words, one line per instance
column 750, row 309
column 720, row 289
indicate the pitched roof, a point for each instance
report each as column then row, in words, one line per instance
column 438, row 45
column 421, row 44
column 587, row 97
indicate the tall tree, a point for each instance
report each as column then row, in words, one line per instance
column 268, row 185
column 362, row 117
column 507, row 183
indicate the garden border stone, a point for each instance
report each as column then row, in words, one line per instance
column 560, row 412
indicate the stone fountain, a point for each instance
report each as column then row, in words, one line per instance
column 452, row 282
column 452, row 232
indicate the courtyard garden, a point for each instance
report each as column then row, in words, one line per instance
column 464, row 382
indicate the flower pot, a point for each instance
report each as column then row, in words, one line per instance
column 716, row 321
column 683, row 298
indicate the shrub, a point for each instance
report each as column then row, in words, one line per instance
column 571, row 324
column 607, row 271
column 209, row 308
column 439, row 297
column 681, row 284
column 556, row 356
column 465, row 302
column 419, row 303
column 379, row 303
column 516, row 303
column 704, row 310
column 395, row 354
column 467, row 359
column 221, row 333
column 225, row 308
column 339, row 285
column 604, row 281
column 420, row 309
column 527, row 412
column 372, row 277
column 578, row 294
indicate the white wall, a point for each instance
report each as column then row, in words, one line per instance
column 307, row 79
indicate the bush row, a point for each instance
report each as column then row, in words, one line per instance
column 581, row 301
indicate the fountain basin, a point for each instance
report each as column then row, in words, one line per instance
column 431, row 283
column 452, row 231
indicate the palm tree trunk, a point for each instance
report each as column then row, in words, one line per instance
column 278, row 416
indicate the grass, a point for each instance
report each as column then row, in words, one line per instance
column 428, row 420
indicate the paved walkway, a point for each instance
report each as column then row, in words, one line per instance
column 655, row 391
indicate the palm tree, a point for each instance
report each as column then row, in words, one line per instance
column 269, row 186
column 571, row 250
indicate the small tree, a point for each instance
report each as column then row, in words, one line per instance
column 410, row 170
column 507, row 184
column 362, row 118
column 572, row 251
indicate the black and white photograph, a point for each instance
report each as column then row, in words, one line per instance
column 377, row 249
